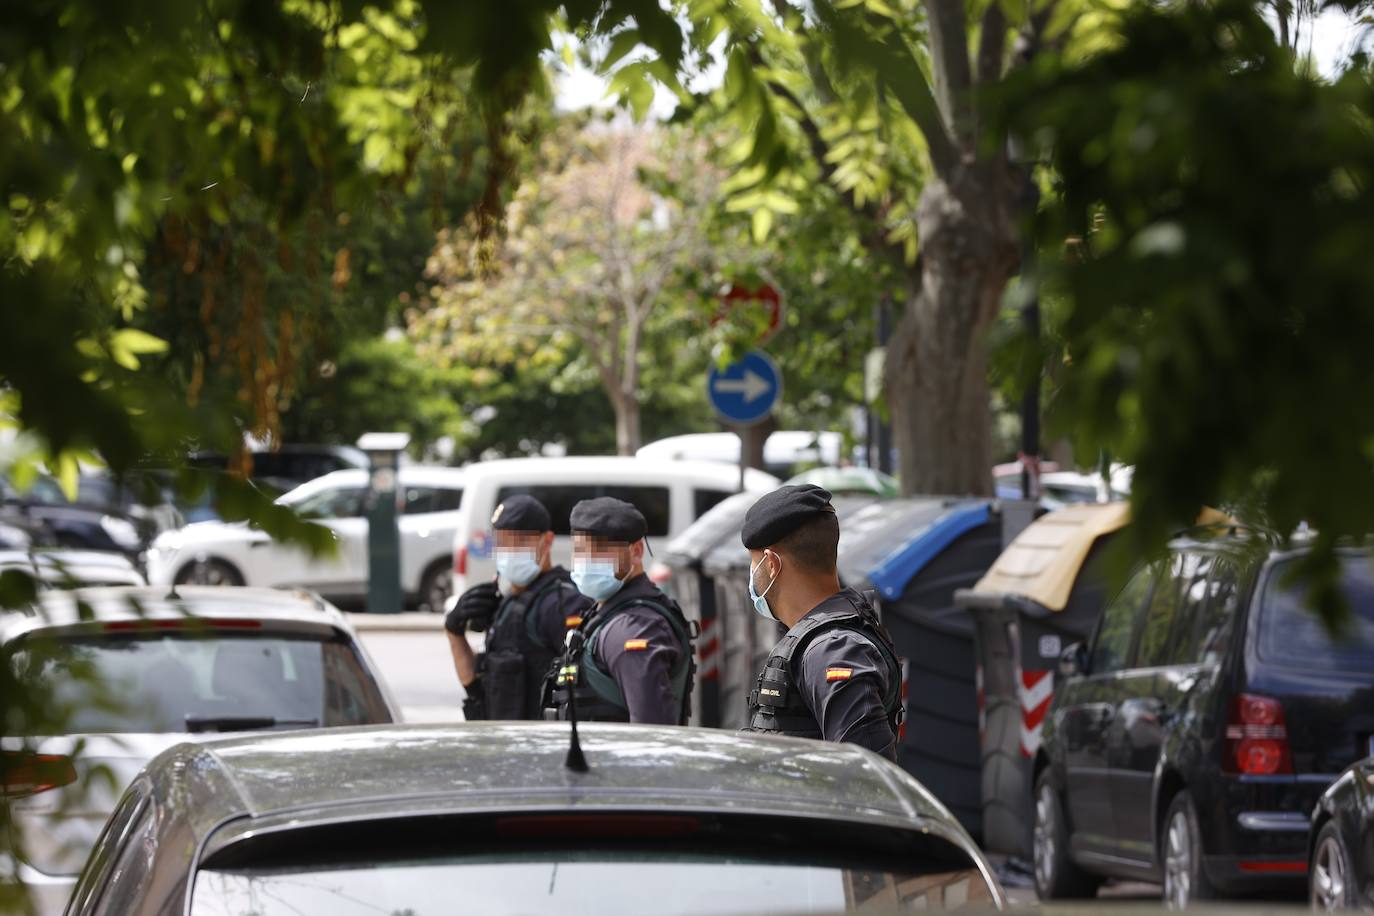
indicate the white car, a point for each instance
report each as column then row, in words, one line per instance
column 671, row 494
column 145, row 670
column 783, row 452
column 64, row 568
column 232, row 553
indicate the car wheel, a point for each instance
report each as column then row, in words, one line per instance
column 1332, row 885
column 435, row 587
column 209, row 572
column 1185, row 881
column 1057, row 877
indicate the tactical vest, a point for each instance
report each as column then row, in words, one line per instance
column 599, row 697
column 776, row 704
column 517, row 657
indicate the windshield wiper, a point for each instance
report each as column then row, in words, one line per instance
column 243, row 723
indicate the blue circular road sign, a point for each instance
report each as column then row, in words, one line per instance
column 746, row 391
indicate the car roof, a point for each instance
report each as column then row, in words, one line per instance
column 474, row 768
column 268, row 605
column 407, row 475
column 581, row 468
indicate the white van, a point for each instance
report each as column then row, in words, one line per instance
column 671, row 494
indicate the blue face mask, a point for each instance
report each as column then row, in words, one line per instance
column 595, row 577
column 518, row 567
column 760, row 602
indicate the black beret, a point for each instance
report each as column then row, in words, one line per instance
column 778, row 514
column 521, row 513
column 610, row 518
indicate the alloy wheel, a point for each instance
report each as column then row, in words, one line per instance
column 1329, row 877
column 1044, row 836
column 1178, row 863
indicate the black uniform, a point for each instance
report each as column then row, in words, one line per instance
column 525, row 636
column 835, row 674
column 631, row 660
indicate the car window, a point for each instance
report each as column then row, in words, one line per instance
column 1178, row 594
column 133, row 865
column 177, row 682
column 1203, row 632
column 420, row 500
column 1113, row 640
column 1290, row 634
column 335, row 502
column 704, row 500
column 123, row 821
column 609, row 882
column 559, row 499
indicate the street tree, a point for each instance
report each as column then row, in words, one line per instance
column 595, row 254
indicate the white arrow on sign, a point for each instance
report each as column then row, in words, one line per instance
column 753, row 386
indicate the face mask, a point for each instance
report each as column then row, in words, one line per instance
column 760, row 602
column 595, row 577
column 519, row 567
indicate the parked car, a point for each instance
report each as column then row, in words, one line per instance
column 222, row 553
column 1190, row 741
column 78, row 524
column 394, row 820
column 785, row 452
column 284, row 468
column 59, row 568
column 671, row 494
column 142, row 671
column 1341, row 874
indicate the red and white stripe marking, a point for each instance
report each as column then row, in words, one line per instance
column 708, row 651
column 1037, row 690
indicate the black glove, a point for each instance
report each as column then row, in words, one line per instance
column 475, row 702
column 474, row 609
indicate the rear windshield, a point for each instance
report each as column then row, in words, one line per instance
column 1291, row 634
column 205, row 681
column 600, row 864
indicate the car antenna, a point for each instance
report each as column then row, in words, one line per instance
column 576, row 760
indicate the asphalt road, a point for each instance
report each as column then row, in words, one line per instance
column 412, row 652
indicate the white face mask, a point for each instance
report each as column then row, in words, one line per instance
column 760, row 602
column 519, row 566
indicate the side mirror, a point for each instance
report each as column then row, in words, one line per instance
column 1073, row 661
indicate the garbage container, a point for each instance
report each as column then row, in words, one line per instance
column 1044, row 592
column 913, row 554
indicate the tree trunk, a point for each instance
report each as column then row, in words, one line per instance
column 627, row 433
column 936, row 368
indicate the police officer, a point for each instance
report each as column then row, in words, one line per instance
column 835, row 675
column 525, row 628
column 631, row 659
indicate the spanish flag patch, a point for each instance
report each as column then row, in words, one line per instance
column 572, row 623
column 838, row 674
column 636, row 645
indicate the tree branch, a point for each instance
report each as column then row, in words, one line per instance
column 820, row 151
column 950, row 63
column 992, row 44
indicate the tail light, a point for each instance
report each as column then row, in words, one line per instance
column 1256, row 738
column 26, row 773
column 460, row 561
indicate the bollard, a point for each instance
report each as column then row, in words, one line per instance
column 383, row 533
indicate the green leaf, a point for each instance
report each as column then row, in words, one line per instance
column 761, row 223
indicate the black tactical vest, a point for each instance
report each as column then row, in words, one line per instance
column 517, row 658
column 599, row 697
column 776, row 704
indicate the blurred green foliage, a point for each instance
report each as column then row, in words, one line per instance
column 1206, row 255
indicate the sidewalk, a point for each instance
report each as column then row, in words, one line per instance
column 395, row 623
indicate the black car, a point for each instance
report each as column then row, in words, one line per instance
column 1342, row 871
column 95, row 520
column 1190, row 741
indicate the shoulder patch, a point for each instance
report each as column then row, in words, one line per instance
column 838, row 674
column 636, row 645
column 572, row 622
